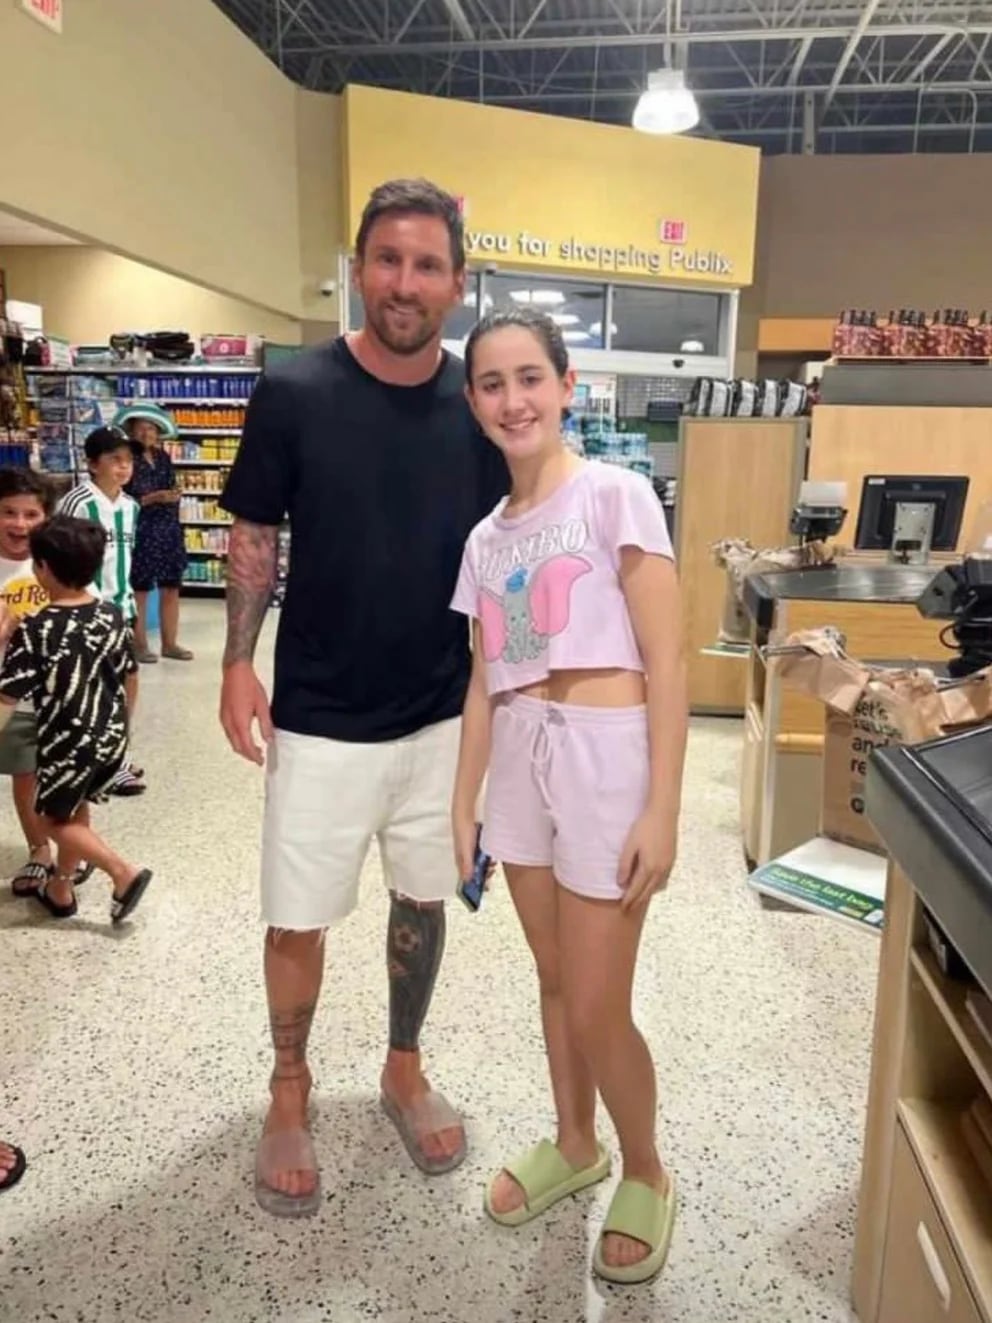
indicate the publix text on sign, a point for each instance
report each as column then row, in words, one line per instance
column 677, row 260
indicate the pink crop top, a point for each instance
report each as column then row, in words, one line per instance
column 545, row 585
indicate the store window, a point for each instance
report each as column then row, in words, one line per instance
column 665, row 321
column 578, row 308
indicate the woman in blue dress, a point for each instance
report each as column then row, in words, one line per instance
column 159, row 559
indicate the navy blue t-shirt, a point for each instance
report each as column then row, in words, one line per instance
column 382, row 485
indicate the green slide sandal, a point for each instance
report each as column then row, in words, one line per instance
column 545, row 1177
column 642, row 1214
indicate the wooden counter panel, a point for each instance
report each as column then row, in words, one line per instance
column 737, row 479
column 875, row 631
column 848, row 442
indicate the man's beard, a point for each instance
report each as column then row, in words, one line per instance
column 418, row 337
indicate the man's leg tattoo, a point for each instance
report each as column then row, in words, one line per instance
column 290, row 1031
column 414, row 946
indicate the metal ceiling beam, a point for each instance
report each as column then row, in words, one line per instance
column 860, row 28
column 641, row 39
column 739, row 93
column 401, row 31
column 459, row 18
column 805, row 46
column 535, row 15
column 931, row 55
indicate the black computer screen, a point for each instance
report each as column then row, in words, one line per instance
column 881, row 494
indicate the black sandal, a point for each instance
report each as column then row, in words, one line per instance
column 54, row 909
column 17, row 1170
column 122, row 906
column 30, row 878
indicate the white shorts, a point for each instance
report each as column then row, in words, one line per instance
column 324, row 802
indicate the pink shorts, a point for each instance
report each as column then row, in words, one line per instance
column 566, row 784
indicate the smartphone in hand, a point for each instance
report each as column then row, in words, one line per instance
column 472, row 889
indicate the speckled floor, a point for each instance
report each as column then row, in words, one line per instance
column 133, row 1067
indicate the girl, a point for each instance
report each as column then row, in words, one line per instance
column 159, row 546
column 577, row 707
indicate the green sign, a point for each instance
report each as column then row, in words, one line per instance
column 816, row 893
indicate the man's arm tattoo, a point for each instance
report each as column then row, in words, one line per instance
column 251, row 576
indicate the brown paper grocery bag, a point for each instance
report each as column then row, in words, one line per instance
column 868, row 708
column 740, row 559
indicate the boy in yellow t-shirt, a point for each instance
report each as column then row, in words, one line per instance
column 26, row 500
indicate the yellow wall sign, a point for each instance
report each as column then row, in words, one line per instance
column 562, row 194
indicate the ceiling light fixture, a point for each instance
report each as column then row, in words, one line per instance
column 666, row 105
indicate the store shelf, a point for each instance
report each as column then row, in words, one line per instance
column 202, row 586
column 209, row 431
column 234, row 401
column 201, row 493
column 202, row 463
column 206, row 551
column 206, row 523
column 948, row 1166
column 950, row 996
column 229, row 367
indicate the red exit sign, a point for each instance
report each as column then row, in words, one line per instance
column 48, row 12
column 672, row 231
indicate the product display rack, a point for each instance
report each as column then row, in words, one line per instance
column 207, row 403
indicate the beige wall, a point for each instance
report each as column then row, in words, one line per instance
column 321, row 194
column 872, row 232
column 156, row 129
column 88, row 294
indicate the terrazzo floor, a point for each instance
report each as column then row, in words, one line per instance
column 133, row 1066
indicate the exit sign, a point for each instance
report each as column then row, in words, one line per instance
column 48, row 12
column 671, row 231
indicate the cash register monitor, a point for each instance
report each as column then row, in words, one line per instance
column 881, row 497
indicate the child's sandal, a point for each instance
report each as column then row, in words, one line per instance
column 640, row 1213
column 545, row 1177
column 56, row 910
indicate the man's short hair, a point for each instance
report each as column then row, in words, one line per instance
column 419, row 197
column 72, row 549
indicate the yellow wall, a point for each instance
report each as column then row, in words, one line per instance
column 155, row 128
column 88, row 294
column 318, row 154
column 558, row 180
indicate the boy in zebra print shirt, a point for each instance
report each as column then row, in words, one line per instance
column 71, row 661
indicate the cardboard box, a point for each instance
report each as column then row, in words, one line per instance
column 867, row 709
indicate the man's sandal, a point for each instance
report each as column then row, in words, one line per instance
column 286, row 1150
column 545, row 1177
column 429, row 1115
column 641, row 1213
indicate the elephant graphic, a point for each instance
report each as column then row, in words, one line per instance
column 534, row 607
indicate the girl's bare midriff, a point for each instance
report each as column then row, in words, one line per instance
column 590, row 688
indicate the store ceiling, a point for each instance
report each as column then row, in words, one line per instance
column 840, row 75
column 15, row 232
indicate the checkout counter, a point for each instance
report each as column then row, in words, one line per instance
column 923, row 1246
column 872, row 604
